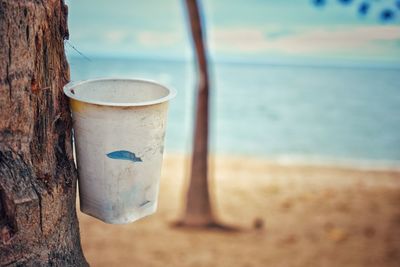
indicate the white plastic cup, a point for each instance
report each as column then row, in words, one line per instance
column 119, row 129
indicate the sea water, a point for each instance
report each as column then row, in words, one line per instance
column 286, row 112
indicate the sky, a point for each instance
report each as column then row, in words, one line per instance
column 249, row 30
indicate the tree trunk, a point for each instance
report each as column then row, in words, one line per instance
column 198, row 205
column 38, row 219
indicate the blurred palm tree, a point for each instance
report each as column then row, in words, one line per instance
column 198, row 210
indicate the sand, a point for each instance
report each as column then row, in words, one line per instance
column 306, row 216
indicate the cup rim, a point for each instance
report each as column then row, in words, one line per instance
column 72, row 84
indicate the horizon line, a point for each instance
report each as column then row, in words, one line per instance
column 278, row 62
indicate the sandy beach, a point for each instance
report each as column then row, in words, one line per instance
column 309, row 216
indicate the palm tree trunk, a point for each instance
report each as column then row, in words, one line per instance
column 198, row 205
column 38, row 222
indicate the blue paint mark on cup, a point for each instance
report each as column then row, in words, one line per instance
column 124, row 155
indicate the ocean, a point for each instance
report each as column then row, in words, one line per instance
column 345, row 114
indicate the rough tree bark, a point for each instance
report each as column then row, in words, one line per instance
column 198, row 212
column 38, row 219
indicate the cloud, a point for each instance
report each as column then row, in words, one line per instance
column 377, row 42
column 116, row 37
column 148, row 39
column 302, row 40
column 158, row 39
